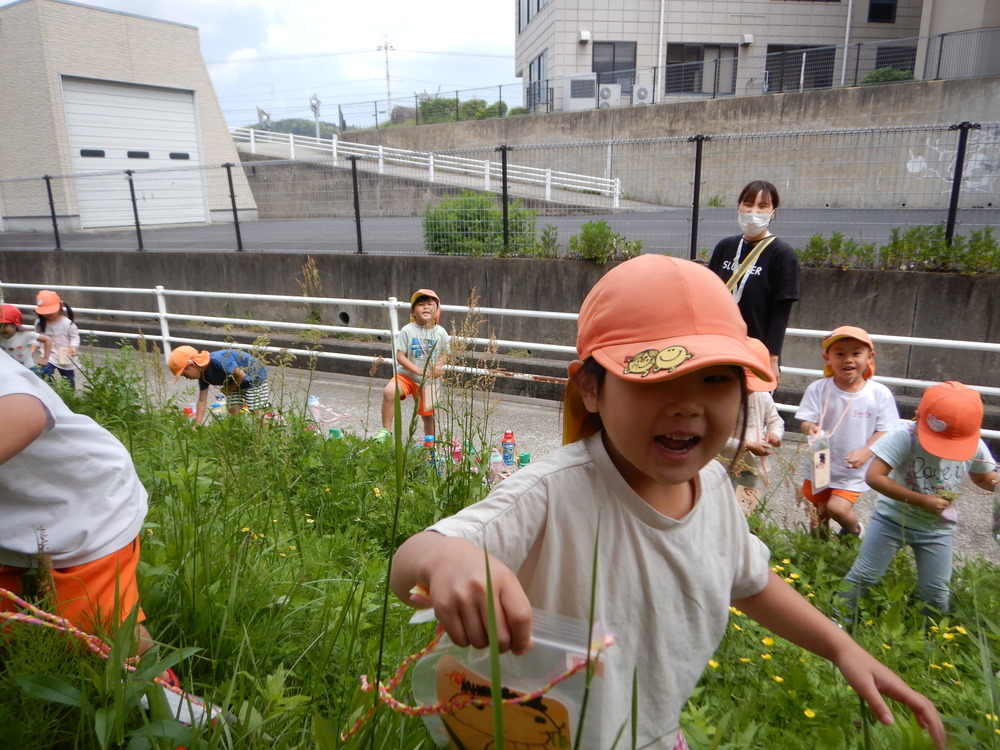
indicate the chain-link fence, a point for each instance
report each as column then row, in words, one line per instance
column 671, row 194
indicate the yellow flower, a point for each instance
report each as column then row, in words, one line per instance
column 947, row 664
column 765, row 657
column 948, row 636
column 378, row 492
column 886, row 646
column 291, row 547
column 737, row 627
column 310, row 520
column 810, row 594
column 767, row 641
column 935, row 666
column 787, row 561
column 713, row 663
column 869, row 622
column 996, row 731
column 789, row 579
column 326, row 489
column 934, row 628
column 735, row 611
column 810, row 714
column 992, row 717
column 961, row 630
column 795, row 576
column 245, row 529
column 777, row 568
column 744, row 659
column 281, row 554
column 778, row 679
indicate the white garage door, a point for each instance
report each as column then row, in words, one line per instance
column 115, row 127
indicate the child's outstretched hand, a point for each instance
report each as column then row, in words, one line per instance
column 773, row 440
column 454, row 573
column 871, row 680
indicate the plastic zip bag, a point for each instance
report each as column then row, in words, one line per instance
column 551, row 720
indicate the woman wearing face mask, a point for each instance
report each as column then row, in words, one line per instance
column 761, row 270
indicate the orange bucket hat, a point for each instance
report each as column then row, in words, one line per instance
column 753, row 382
column 849, row 332
column 47, row 302
column 426, row 293
column 183, row 356
column 949, row 419
column 652, row 318
column 10, row 314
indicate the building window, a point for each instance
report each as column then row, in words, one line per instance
column 700, row 69
column 797, row 68
column 614, row 62
column 528, row 9
column 538, row 84
column 882, row 11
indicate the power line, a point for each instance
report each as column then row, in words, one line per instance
column 313, row 55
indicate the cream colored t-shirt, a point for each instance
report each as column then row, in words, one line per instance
column 663, row 586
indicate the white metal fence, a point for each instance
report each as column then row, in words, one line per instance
column 159, row 297
column 426, row 165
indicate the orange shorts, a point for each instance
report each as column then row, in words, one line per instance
column 408, row 388
column 823, row 496
column 85, row 594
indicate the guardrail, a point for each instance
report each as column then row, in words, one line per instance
column 392, row 305
column 428, row 163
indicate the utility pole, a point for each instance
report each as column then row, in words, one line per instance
column 314, row 103
column 388, row 94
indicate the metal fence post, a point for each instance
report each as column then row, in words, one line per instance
column 52, row 210
column 699, row 141
column 357, row 199
column 135, row 206
column 161, row 309
column 963, row 129
column 503, row 195
column 232, row 201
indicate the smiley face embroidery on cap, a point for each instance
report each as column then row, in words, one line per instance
column 651, row 361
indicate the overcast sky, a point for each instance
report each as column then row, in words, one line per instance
column 275, row 54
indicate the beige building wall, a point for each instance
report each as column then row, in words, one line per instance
column 43, row 40
column 556, row 29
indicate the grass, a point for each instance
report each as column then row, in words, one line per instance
column 265, row 556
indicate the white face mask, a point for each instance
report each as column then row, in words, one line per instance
column 751, row 223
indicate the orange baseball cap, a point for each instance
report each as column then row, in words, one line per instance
column 183, row 356
column 849, row 332
column 426, row 293
column 949, row 419
column 10, row 314
column 655, row 317
column 753, row 382
column 47, row 302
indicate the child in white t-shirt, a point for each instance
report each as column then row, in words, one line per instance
column 760, row 436
column 19, row 342
column 916, row 470
column 851, row 412
column 56, row 319
column 421, row 349
column 651, row 400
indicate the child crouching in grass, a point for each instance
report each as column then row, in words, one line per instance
column 653, row 397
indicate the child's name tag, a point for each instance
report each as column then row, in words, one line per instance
column 820, row 450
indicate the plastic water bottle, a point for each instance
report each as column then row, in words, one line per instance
column 333, row 434
column 523, row 459
column 314, row 409
column 456, row 451
column 497, row 470
column 429, row 448
column 509, row 448
column 189, row 411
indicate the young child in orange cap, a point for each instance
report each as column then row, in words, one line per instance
column 237, row 373
column 851, row 411
column 917, row 470
column 56, row 320
column 421, row 348
column 654, row 395
column 19, row 342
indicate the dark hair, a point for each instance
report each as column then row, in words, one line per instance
column 759, row 186
column 592, row 370
column 41, row 322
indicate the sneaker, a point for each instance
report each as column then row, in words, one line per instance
column 185, row 708
column 859, row 533
column 382, row 435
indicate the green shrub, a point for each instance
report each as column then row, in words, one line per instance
column 887, row 74
column 597, row 242
column 472, row 224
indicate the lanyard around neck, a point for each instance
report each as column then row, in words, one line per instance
column 740, row 276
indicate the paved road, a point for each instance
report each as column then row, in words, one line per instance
column 352, row 404
column 661, row 230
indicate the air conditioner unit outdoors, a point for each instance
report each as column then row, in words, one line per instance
column 609, row 95
column 580, row 92
column 642, row 91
